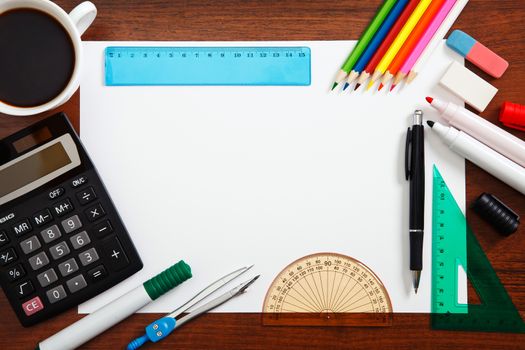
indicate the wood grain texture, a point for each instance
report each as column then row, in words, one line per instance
column 497, row 24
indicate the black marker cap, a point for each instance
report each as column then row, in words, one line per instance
column 496, row 213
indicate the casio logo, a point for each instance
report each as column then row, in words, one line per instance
column 7, row 218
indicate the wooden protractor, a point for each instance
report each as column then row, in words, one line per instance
column 327, row 289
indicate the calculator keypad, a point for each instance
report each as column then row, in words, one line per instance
column 22, row 227
column 86, row 196
column 30, row 245
column 47, row 277
column 7, row 256
column 63, row 207
column 24, row 289
column 56, row 294
column 38, row 261
column 15, row 272
column 50, row 234
column 79, row 240
column 71, row 224
column 60, row 250
column 68, row 267
column 76, row 283
column 4, row 239
column 88, row 257
column 42, row 217
column 94, row 213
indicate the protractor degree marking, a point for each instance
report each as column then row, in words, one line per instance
column 338, row 300
column 317, row 289
column 313, row 293
column 350, row 302
column 306, row 302
column 311, row 299
column 344, row 299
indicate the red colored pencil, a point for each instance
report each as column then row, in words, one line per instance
column 371, row 66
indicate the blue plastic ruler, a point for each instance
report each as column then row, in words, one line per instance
column 127, row 65
column 454, row 244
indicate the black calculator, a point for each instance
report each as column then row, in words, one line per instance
column 61, row 239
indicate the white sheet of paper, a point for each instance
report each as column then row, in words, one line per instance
column 225, row 177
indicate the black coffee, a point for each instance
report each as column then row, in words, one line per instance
column 37, row 58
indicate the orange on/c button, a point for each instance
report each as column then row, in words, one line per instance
column 33, row 306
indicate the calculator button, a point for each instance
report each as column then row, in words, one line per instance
column 115, row 254
column 47, row 277
column 97, row 273
column 22, row 227
column 88, row 257
column 71, row 224
column 38, row 261
column 33, row 306
column 50, row 234
column 30, row 245
column 68, row 267
column 86, row 196
column 80, row 240
column 94, row 213
column 79, row 181
column 63, row 207
column 15, row 273
column 24, row 289
column 56, row 294
column 57, row 192
column 42, row 217
column 3, row 238
column 76, row 283
column 59, row 250
column 103, row 228
column 7, row 256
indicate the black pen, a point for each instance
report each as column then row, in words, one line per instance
column 415, row 173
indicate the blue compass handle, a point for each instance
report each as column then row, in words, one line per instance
column 155, row 331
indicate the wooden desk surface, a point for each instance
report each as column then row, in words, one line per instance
column 497, row 24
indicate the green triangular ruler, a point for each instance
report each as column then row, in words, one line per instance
column 454, row 244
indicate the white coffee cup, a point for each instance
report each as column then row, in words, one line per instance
column 76, row 23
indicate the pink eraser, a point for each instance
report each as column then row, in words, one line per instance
column 477, row 53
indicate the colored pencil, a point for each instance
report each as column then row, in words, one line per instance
column 399, row 41
column 411, row 41
column 376, row 41
column 423, row 42
column 396, row 28
column 364, row 40
column 436, row 39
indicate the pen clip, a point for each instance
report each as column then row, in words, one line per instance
column 408, row 150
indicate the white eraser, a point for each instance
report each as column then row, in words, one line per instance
column 468, row 86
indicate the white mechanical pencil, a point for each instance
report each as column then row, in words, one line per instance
column 482, row 130
column 483, row 156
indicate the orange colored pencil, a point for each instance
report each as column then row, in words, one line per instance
column 411, row 41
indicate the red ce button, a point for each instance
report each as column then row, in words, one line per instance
column 33, row 306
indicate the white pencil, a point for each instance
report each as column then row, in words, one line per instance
column 436, row 39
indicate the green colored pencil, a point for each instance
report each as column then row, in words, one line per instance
column 363, row 41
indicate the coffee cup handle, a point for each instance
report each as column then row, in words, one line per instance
column 83, row 15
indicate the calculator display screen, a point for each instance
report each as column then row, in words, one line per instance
column 32, row 168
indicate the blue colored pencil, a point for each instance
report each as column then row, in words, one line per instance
column 376, row 41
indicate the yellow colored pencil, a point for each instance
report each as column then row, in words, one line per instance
column 399, row 40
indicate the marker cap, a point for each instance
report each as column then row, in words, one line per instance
column 513, row 115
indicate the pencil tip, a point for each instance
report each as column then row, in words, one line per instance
column 429, row 99
column 380, row 87
column 346, row 85
column 392, row 87
column 370, row 85
column 430, row 123
column 357, row 86
column 333, row 86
